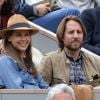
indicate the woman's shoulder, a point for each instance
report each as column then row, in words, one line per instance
column 5, row 57
column 7, row 62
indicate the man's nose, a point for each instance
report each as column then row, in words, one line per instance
column 75, row 34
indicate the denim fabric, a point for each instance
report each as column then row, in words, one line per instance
column 23, row 8
column 51, row 20
column 12, row 76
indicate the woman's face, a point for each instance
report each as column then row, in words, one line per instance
column 1, row 2
column 20, row 39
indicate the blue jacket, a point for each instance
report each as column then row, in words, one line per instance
column 91, row 19
column 12, row 76
column 25, row 9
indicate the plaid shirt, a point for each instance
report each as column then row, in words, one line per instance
column 77, row 74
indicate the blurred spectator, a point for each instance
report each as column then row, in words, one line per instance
column 6, row 10
column 80, row 4
column 91, row 19
column 42, row 15
column 61, row 92
column 17, row 70
column 70, row 64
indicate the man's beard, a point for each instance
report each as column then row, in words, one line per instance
column 72, row 47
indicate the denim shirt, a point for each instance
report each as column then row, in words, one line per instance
column 12, row 76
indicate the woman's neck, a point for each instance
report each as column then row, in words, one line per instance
column 11, row 50
column 22, row 55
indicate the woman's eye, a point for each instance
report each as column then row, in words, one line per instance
column 18, row 34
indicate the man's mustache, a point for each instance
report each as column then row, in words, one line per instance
column 76, row 40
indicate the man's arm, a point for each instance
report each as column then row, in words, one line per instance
column 45, row 68
column 24, row 8
column 31, row 10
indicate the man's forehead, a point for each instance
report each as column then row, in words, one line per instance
column 72, row 24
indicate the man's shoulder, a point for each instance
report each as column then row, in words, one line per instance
column 54, row 53
column 89, row 55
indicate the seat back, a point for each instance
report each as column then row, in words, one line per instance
column 83, row 92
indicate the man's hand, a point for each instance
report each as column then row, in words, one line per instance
column 43, row 9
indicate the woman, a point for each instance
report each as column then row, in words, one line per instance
column 16, row 66
column 6, row 10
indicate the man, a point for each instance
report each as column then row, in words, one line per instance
column 91, row 19
column 42, row 15
column 61, row 92
column 70, row 64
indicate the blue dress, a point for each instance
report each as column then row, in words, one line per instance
column 12, row 76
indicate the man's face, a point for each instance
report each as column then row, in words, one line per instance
column 73, row 36
column 62, row 96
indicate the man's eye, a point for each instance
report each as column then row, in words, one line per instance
column 71, row 32
column 79, row 32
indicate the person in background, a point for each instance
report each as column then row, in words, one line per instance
column 6, row 10
column 61, row 92
column 91, row 20
column 80, row 4
column 17, row 70
column 42, row 14
column 70, row 64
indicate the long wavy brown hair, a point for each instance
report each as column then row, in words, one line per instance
column 13, row 52
column 61, row 29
